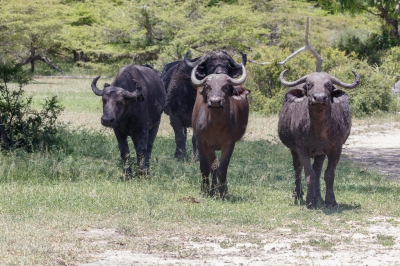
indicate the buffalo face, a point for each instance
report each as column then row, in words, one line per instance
column 318, row 87
column 217, row 88
column 115, row 101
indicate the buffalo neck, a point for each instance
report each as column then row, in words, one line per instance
column 320, row 119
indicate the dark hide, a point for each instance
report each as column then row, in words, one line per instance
column 315, row 122
column 219, row 120
column 181, row 94
column 132, row 106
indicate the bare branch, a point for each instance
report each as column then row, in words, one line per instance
column 397, row 9
column 255, row 62
column 308, row 47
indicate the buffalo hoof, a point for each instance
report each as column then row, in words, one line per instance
column 311, row 204
column 180, row 155
column 141, row 172
column 332, row 206
column 297, row 196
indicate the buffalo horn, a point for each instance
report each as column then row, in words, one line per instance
column 133, row 95
column 293, row 83
column 239, row 81
column 195, row 63
column 195, row 81
column 347, row 85
column 96, row 90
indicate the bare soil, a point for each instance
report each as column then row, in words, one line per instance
column 376, row 243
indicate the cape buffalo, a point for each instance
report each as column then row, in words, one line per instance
column 181, row 94
column 315, row 122
column 132, row 106
column 219, row 120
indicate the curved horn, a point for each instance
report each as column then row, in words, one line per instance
column 347, row 85
column 195, row 63
column 239, row 81
column 96, row 90
column 137, row 95
column 195, row 81
column 293, row 83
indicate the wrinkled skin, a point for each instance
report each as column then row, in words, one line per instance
column 315, row 122
column 132, row 106
column 181, row 94
column 219, row 120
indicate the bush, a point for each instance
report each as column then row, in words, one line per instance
column 372, row 96
column 367, row 46
column 20, row 125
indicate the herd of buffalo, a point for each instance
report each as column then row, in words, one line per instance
column 206, row 93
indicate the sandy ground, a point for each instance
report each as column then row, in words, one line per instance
column 376, row 146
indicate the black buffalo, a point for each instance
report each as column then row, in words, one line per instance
column 181, row 94
column 315, row 122
column 132, row 106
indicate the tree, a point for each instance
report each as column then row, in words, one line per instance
column 29, row 30
column 388, row 10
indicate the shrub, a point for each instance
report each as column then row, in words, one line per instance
column 20, row 125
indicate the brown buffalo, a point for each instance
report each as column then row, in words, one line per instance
column 315, row 122
column 219, row 120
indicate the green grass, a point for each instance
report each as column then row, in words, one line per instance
column 385, row 240
column 48, row 197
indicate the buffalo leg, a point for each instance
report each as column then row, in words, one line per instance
column 140, row 141
column 150, row 140
column 226, row 155
column 317, row 166
column 207, row 158
column 298, row 168
column 180, row 136
column 124, row 152
column 311, row 178
column 195, row 154
column 333, row 160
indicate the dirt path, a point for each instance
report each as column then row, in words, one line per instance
column 377, row 146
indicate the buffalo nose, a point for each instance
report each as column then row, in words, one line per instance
column 215, row 102
column 107, row 121
column 320, row 98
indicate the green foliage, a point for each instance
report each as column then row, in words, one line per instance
column 215, row 2
column 21, row 125
column 367, row 46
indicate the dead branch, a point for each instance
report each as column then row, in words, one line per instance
column 307, row 47
column 258, row 63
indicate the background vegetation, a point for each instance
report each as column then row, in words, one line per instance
column 97, row 37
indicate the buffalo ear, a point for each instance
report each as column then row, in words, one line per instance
column 236, row 72
column 295, row 95
column 338, row 96
column 106, row 85
column 240, row 93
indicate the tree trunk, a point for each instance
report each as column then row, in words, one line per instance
column 391, row 22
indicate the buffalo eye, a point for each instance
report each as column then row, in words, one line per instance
column 328, row 86
column 309, row 86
